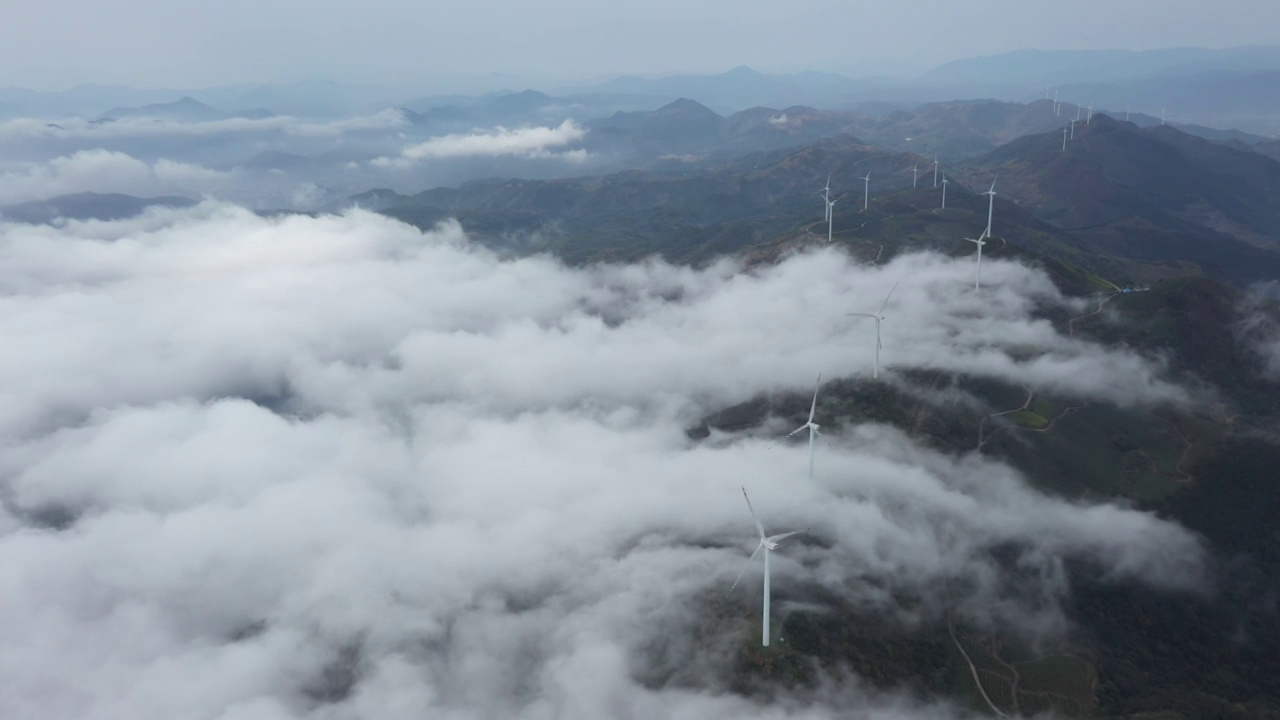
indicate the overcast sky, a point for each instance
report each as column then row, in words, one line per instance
column 154, row 43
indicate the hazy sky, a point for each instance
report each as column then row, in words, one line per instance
column 150, row 43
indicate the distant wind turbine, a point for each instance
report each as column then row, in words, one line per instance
column 977, row 282
column 769, row 543
column 915, row 174
column 1077, row 113
column 1161, row 116
column 811, row 426
column 878, row 316
column 935, row 171
column 826, row 198
column 991, row 207
column 1073, row 129
column 866, row 197
column 831, row 217
column 1064, row 139
column 1090, row 120
column 1057, row 109
column 944, row 191
column 1126, row 113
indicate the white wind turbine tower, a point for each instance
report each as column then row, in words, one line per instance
column 1089, row 121
column 991, row 207
column 1077, row 113
column 944, row 191
column 831, row 217
column 935, row 171
column 1161, row 116
column 1126, row 113
column 977, row 282
column 915, row 175
column 1073, row 129
column 769, row 543
column 826, row 198
column 878, row 316
column 811, row 426
column 866, row 197
column 1057, row 109
column 1064, row 139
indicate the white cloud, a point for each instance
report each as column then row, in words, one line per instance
column 105, row 171
column 477, row 484
column 29, row 128
column 530, row 142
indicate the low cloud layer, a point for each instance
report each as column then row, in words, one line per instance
column 337, row 468
column 106, row 171
column 1259, row 326
column 79, row 128
column 532, row 142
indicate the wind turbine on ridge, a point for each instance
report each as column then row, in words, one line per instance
column 831, row 216
column 944, row 191
column 878, row 316
column 1064, row 139
column 866, row 197
column 915, row 174
column 811, row 426
column 769, row 543
column 935, row 171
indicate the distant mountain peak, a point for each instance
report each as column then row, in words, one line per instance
column 685, row 105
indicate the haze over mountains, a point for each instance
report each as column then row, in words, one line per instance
column 335, row 401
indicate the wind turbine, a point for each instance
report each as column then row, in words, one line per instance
column 991, row 207
column 1073, row 129
column 915, row 175
column 866, row 197
column 769, row 543
column 831, row 216
column 944, row 191
column 1161, row 116
column 977, row 282
column 1126, row 113
column 935, row 171
column 1090, row 120
column 1057, row 109
column 1077, row 113
column 879, row 318
column 826, row 197
column 811, row 426
column 1064, row 139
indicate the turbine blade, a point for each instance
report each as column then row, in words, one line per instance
column 753, row 514
column 784, row 536
column 814, row 407
column 745, row 566
column 860, row 315
column 793, row 432
column 993, row 185
column 886, row 299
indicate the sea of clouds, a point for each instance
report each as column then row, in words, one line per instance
column 336, row 467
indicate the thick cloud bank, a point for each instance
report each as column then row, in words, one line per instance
column 532, row 142
column 337, row 468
